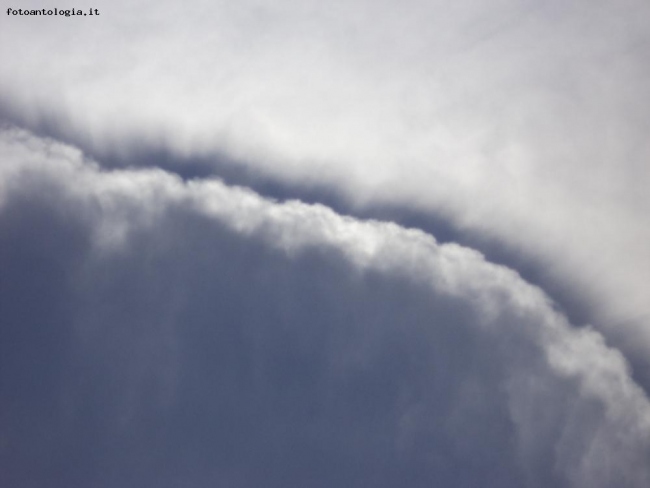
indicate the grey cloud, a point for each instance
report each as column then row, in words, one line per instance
column 162, row 333
column 537, row 110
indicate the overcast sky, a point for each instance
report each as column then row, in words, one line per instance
column 325, row 244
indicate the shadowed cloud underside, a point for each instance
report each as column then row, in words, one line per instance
column 157, row 332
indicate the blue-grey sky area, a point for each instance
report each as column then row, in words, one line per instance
column 340, row 244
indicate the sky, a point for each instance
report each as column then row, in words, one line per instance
column 341, row 244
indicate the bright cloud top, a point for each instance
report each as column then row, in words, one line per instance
column 240, row 340
column 517, row 120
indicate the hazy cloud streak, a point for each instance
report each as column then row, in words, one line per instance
column 203, row 333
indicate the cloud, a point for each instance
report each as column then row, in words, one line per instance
column 514, row 121
column 166, row 333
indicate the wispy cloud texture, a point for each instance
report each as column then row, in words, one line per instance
column 169, row 332
column 193, row 333
column 519, row 121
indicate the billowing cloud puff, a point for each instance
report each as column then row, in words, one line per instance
column 520, row 121
column 166, row 333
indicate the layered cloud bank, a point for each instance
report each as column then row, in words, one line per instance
column 520, row 121
column 157, row 332
column 162, row 332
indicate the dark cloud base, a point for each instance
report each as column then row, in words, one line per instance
column 195, row 357
column 160, row 333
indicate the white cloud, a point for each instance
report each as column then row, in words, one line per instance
column 575, row 411
column 520, row 121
